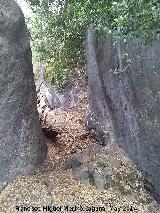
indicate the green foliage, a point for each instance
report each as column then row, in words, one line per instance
column 58, row 28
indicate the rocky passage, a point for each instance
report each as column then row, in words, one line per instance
column 78, row 175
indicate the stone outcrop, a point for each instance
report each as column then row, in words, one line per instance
column 47, row 95
column 124, row 98
column 107, row 168
column 50, row 97
column 21, row 145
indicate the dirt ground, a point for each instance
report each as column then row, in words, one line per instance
column 51, row 189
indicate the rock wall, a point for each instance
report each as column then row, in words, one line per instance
column 21, row 145
column 124, row 98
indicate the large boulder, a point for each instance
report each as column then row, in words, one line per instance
column 21, row 145
column 124, row 98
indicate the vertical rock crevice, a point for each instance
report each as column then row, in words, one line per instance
column 100, row 103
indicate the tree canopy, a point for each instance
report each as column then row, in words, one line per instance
column 58, row 28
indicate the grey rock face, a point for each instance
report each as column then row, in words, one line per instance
column 109, row 168
column 47, row 92
column 21, row 146
column 124, row 98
